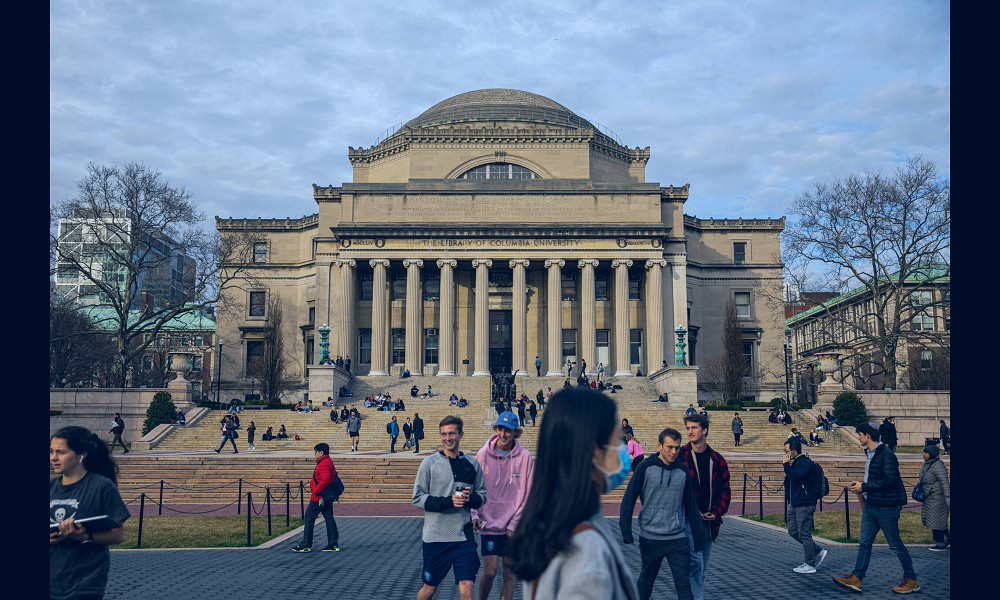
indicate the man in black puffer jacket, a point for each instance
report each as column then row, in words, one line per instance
column 883, row 494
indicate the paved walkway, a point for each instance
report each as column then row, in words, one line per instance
column 380, row 557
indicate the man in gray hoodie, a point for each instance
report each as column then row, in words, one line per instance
column 449, row 484
column 667, row 496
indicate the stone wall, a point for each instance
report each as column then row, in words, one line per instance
column 917, row 412
column 94, row 408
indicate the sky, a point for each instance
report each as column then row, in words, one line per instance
column 246, row 104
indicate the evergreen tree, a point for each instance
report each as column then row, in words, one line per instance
column 161, row 410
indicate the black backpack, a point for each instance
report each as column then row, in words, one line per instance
column 388, row 427
column 818, row 485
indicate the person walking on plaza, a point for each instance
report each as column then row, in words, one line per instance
column 251, row 431
column 507, row 469
column 936, row 504
column 228, row 434
column 710, row 474
column 666, row 506
column 883, row 494
column 540, row 398
column 118, row 428
column 354, row 429
column 800, row 473
column 85, row 485
column 563, row 546
column 532, row 412
column 392, row 428
column 737, row 427
column 538, row 366
column 324, row 474
column 448, row 480
column 945, row 436
column 418, row 432
column 887, row 433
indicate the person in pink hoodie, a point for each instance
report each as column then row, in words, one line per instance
column 507, row 468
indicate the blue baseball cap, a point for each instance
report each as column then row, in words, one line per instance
column 507, row 419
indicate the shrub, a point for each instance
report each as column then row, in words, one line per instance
column 849, row 409
column 161, row 410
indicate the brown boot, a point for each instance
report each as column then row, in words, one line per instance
column 907, row 586
column 850, row 582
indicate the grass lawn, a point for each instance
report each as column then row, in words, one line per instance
column 830, row 525
column 203, row 531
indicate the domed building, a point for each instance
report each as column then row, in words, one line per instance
column 497, row 226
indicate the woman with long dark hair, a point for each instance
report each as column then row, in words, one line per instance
column 85, row 486
column 563, row 546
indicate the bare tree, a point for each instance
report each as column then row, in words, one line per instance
column 128, row 226
column 728, row 373
column 885, row 237
column 271, row 367
column 75, row 346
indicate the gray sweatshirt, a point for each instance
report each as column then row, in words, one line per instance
column 667, row 497
column 354, row 423
column 432, row 491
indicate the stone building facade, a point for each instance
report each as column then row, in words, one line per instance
column 495, row 227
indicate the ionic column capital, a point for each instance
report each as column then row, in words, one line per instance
column 554, row 261
column 412, row 261
column 451, row 262
column 593, row 262
column 621, row 261
column 384, row 262
column 524, row 262
column 350, row 262
column 655, row 262
column 482, row 261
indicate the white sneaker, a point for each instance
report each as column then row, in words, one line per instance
column 804, row 568
column 820, row 557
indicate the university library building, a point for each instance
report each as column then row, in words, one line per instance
column 496, row 227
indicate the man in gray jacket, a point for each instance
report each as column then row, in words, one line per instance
column 667, row 497
column 354, row 429
column 449, row 484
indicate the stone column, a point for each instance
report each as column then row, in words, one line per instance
column 520, row 316
column 622, row 367
column 446, row 339
column 678, row 275
column 555, row 265
column 414, row 316
column 379, row 356
column 348, row 326
column 482, row 357
column 588, row 314
column 654, row 314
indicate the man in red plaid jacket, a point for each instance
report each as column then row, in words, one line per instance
column 710, row 475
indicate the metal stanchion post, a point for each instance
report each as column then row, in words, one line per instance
column 288, row 510
column 847, row 514
column 239, row 497
column 249, row 512
column 744, row 511
column 302, row 499
column 760, row 494
column 160, row 510
column 142, row 509
column 267, row 498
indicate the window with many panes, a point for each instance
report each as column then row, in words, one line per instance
column 255, row 353
column 925, row 359
column 199, row 340
column 398, row 346
column 739, row 252
column 430, row 346
column 196, row 362
column 569, row 286
column 499, row 170
column 634, row 287
column 399, row 286
column 946, row 308
column 922, row 319
column 635, row 346
column 742, row 304
column 258, row 301
column 568, row 345
column 748, row 355
column 432, row 287
column 365, row 345
column 365, row 287
column 260, row 252
column 602, row 290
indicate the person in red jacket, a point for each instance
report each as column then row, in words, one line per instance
column 323, row 476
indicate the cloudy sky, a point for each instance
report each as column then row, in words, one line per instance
column 248, row 103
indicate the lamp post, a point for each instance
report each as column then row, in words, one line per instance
column 218, row 377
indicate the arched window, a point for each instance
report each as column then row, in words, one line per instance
column 499, row 170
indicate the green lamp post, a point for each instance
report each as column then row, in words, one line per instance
column 679, row 357
column 324, row 343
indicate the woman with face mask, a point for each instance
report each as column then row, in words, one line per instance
column 563, row 546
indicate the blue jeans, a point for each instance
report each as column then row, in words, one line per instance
column 226, row 438
column 885, row 518
column 698, row 560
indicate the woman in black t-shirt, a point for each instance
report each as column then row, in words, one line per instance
column 85, row 486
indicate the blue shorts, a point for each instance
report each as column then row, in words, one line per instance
column 493, row 545
column 441, row 556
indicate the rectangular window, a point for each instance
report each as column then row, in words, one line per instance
column 568, row 345
column 255, row 353
column 432, row 287
column 257, row 302
column 365, row 345
column 161, row 340
column 260, row 252
column 604, row 346
column 742, row 304
column 748, row 355
column 634, row 287
column 185, row 340
column 199, row 340
column 398, row 286
column 739, row 252
column 398, row 346
column 946, row 307
column 635, row 346
column 430, row 346
column 309, row 350
column 925, row 359
column 569, row 286
column 312, row 315
column 196, row 363
column 365, row 287
column 602, row 291
column 923, row 322
column 147, row 362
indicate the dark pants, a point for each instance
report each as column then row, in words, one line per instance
column 636, row 461
column 312, row 511
column 539, row 369
column 885, row 518
column 737, row 436
column 653, row 552
column 226, row 438
column 118, row 440
column 392, row 443
column 941, row 535
column 416, row 444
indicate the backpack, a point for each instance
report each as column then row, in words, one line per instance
column 388, row 427
column 818, row 485
column 332, row 492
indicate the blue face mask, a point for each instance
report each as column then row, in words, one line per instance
column 615, row 479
